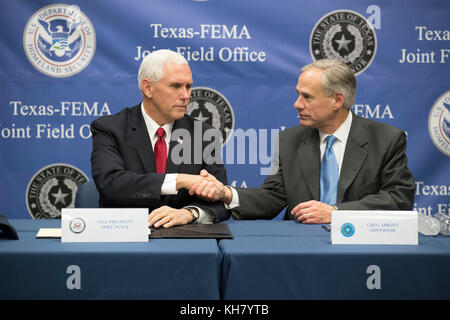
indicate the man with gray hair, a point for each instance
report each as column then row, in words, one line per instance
column 333, row 160
column 133, row 163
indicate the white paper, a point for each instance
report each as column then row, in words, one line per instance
column 374, row 227
column 49, row 233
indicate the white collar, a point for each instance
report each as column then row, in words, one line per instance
column 342, row 132
column 152, row 126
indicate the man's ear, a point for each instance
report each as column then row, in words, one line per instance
column 147, row 87
column 338, row 100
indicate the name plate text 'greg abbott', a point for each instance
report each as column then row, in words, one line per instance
column 374, row 227
column 104, row 225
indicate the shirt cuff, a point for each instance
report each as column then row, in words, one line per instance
column 169, row 185
column 204, row 217
column 234, row 201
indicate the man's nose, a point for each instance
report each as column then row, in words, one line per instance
column 185, row 93
column 298, row 104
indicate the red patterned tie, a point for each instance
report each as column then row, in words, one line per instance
column 160, row 151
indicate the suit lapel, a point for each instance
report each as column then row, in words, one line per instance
column 171, row 167
column 308, row 154
column 139, row 135
column 354, row 156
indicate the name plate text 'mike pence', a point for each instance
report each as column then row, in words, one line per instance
column 104, row 225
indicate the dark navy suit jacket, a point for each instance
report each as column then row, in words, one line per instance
column 123, row 164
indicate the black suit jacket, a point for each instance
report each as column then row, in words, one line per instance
column 123, row 164
column 374, row 173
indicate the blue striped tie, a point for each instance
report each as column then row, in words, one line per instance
column 329, row 174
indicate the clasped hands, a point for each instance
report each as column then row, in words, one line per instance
column 210, row 189
column 205, row 186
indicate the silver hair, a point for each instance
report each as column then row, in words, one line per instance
column 152, row 66
column 336, row 77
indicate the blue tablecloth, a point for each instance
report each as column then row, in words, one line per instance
column 288, row 260
column 33, row 268
column 265, row 260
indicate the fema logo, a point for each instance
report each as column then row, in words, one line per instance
column 52, row 188
column 77, row 225
column 212, row 107
column 439, row 123
column 346, row 36
column 59, row 40
column 347, row 230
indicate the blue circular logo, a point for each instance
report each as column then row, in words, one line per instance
column 59, row 40
column 439, row 123
column 347, row 229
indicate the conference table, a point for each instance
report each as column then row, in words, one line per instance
column 266, row 260
column 289, row 260
column 33, row 268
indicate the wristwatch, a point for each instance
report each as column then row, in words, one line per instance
column 194, row 213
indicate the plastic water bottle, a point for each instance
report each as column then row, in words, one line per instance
column 444, row 222
column 429, row 225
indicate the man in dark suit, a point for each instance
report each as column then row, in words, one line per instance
column 333, row 160
column 144, row 156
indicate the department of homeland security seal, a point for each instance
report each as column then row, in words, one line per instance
column 59, row 40
column 212, row 107
column 52, row 188
column 344, row 35
column 439, row 123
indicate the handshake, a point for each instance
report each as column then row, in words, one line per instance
column 205, row 186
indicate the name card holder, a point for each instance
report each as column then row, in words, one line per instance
column 374, row 227
column 104, row 225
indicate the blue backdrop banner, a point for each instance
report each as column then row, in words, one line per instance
column 65, row 64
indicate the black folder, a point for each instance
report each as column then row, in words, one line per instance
column 204, row 231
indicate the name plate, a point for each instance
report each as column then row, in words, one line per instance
column 374, row 227
column 104, row 225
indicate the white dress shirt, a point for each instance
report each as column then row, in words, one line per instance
column 169, row 186
column 338, row 148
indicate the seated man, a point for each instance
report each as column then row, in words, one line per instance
column 136, row 156
column 333, row 160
